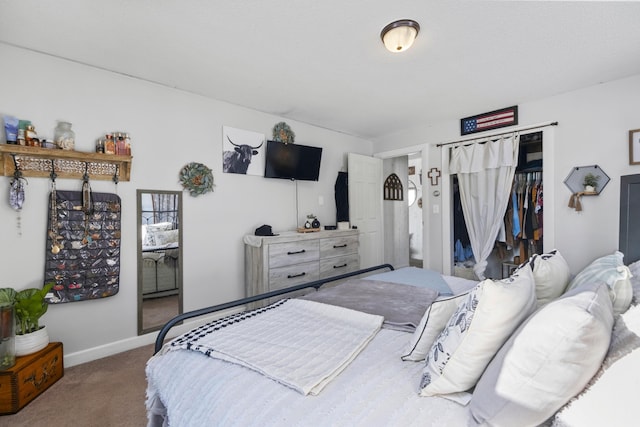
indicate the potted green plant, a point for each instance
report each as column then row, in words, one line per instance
column 590, row 182
column 28, row 306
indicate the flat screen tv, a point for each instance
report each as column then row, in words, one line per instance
column 292, row 161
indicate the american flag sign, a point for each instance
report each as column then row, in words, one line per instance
column 491, row 120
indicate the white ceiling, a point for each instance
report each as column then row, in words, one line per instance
column 322, row 62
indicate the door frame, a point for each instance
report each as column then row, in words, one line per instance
column 424, row 150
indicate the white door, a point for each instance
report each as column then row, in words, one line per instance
column 365, row 206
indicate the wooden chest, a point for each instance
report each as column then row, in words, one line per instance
column 31, row 375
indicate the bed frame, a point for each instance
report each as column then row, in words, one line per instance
column 214, row 308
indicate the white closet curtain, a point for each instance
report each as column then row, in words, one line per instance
column 485, row 174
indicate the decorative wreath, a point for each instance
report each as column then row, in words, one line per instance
column 196, row 178
column 283, row 133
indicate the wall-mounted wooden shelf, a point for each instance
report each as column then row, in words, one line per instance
column 39, row 162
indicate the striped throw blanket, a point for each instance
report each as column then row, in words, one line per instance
column 301, row 344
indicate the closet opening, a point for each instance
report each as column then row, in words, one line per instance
column 521, row 232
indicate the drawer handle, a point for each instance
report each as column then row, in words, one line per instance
column 291, row 276
column 340, row 266
column 339, row 246
column 296, row 252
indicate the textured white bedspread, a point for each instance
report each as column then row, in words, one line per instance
column 301, row 344
column 376, row 389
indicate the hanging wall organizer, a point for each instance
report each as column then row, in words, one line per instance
column 83, row 246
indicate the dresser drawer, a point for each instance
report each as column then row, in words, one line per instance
column 283, row 277
column 289, row 253
column 339, row 265
column 338, row 246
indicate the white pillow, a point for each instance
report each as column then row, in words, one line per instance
column 433, row 322
column 551, row 275
column 476, row 331
column 547, row 361
column 613, row 390
column 611, row 270
column 166, row 237
column 152, row 231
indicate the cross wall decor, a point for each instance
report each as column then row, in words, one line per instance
column 434, row 174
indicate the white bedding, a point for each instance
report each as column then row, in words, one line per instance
column 376, row 389
column 459, row 285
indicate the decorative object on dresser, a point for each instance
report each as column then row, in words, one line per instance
column 292, row 258
column 30, row 377
column 311, row 225
column 264, row 230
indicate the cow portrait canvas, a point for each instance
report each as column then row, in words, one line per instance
column 242, row 151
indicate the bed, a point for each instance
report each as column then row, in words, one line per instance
column 160, row 260
column 160, row 266
column 409, row 371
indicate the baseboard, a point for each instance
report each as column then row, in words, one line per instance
column 105, row 350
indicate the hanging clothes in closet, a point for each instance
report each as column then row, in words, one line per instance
column 523, row 219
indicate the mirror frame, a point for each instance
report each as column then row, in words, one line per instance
column 139, row 193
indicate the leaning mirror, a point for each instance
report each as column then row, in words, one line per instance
column 159, row 258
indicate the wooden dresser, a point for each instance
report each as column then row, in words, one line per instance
column 292, row 258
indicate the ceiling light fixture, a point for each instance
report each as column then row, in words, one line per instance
column 398, row 36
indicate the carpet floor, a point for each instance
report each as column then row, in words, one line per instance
column 102, row 393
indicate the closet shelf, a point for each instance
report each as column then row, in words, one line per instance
column 39, row 162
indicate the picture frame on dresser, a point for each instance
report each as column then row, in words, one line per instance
column 634, row 147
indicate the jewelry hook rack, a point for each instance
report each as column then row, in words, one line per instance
column 40, row 162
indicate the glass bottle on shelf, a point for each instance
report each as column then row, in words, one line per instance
column 100, row 145
column 109, row 144
column 31, row 137
column 120, row 148
column 127, row 144
column 64, row 137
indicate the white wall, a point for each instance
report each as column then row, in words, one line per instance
column 593, row 129
column 169, row 128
